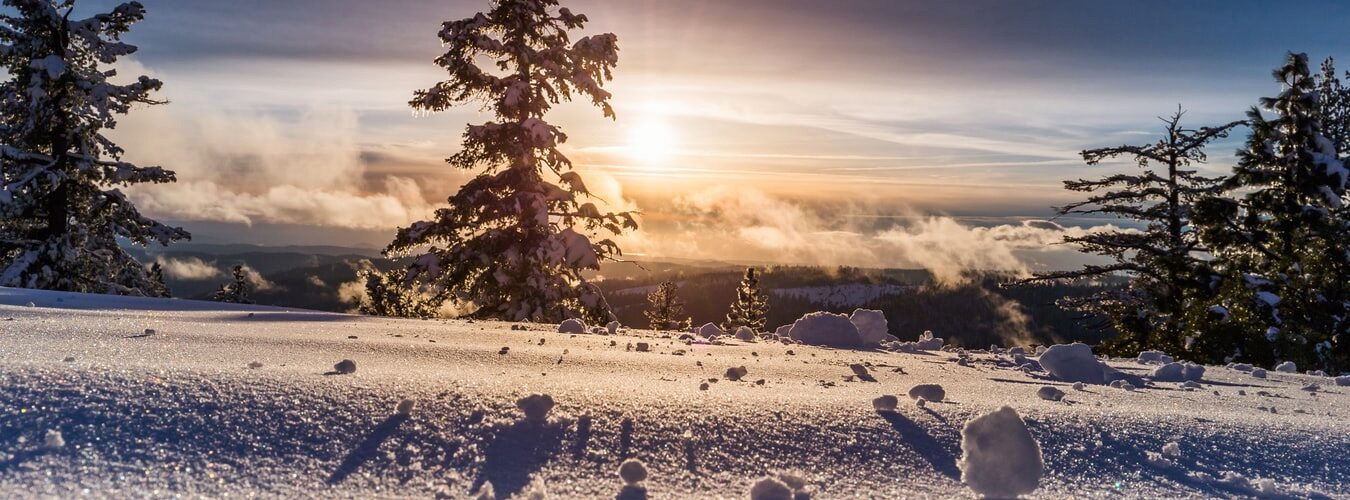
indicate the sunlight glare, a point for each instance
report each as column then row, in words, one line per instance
column 651, row 141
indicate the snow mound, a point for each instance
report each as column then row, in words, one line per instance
column 709, row 331
column 1153, row 357
column 535, row 407
column 1172, row 449
column 53, row 439
column 1287, row 367
column 872, row 327
column 1179, row 372
column 1049, row 393
column 1259, row 372
column 613, row 327
column 886, row 403
column 574, row 326
column 826, row 329
column 999, row 457
column 770, row 488
column 1343, row 381
column 1075, row 363
column 928, row 392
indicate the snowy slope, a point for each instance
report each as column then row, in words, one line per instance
column 179, row 412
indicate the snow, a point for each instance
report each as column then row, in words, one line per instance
column 885, row 403
column 872, row 327
column 535, row 407
column 1153, row 357
column 1343, row 381
column 613, row 327
column 1179, row 372
column 1049, row 393
column 770, row 488
column 999, row 456
column 745, row 334
column 1287, row 367
column 178, row 415
column 928, row 392
column 405, row 407
column 1075, row 363
column 709, row 331
column 1258, row 373
column 826, row 329
column 573, row 326
column 345, row 367
column 633, row 471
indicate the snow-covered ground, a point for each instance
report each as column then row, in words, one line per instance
column 151, row 398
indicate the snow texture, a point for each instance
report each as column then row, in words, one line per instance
column 999, row 457
column 1154, row 357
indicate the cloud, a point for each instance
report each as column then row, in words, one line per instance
column 188, row 269
column 256, row 279
column 747, row 225
column 302, row 165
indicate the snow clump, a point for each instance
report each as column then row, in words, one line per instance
column 745, row 334
column 826, row 329
column 709, row 331
column 783, row 486
column 1153, row 357
column 633, row 471
column 1178, row 372
column 1287, row 367
column 1172, row 449
column 1049, row 393
column 345, row 367
column 999, row 457
column 1343, row 381
column 535, row 407
column 872, row 327
column 405, row 407
column 572, row 326
column 735, row 374
column 885, row 403
column 613, row 327
column 1075, row 363
column 54, row 439
column 1258, row 373
column 928, row 392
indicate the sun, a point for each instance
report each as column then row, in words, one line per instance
column 651, row 141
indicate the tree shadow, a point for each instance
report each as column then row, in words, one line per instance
column 583, row 436
column 367, row 449
column 515, row 453
column 924, row 444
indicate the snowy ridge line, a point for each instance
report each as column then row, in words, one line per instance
column 20, row 297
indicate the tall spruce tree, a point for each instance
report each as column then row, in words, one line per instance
column 1279, row 237
column 1163, row 261
column 515, row 241
column 1333, row 106
column 61, row 214
column 387, row 294
column 665, row 309
column 751, row 307
column 238, row 291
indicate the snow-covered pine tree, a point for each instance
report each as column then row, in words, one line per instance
column 1163, row 262
column 515, row 241
column 1333, row 106
column 1279, row 237
column 61, row 214
column 387, row 294
column 238, row 291
column 665, row 309
column 159, row 288
column 751, row 307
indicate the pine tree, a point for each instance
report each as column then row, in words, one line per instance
column 1333, row 106
column 1163, row 261
column 751, row 308
column 665, row 309
column 1279, row 237
column 238, row 291
column 388, row 295
column 159, row 288
column 515, row 241
column 61, row 212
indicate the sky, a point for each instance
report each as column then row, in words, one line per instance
column 841, row 132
